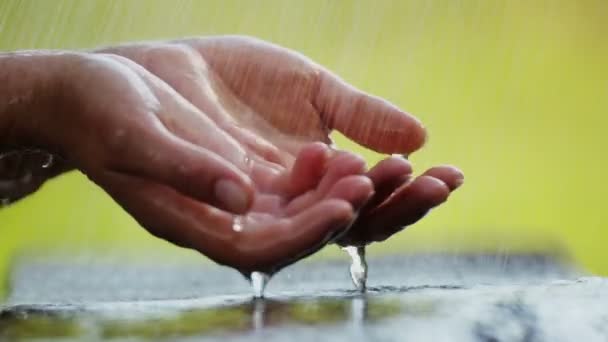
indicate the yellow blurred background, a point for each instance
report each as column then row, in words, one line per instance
column 513, row 92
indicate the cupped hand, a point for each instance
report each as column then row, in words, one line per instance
column 303, row 99
column 181, row 176
column 274, row 101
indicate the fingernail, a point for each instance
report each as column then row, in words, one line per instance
column 458, row 183
column 233, row 196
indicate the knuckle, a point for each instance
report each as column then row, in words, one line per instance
column 176, row 64
column 117, row 58
column 172, row 54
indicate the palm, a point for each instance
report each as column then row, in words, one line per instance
column 274, row 101
column 304, row 102
column 301, row 201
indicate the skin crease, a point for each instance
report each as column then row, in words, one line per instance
column 266, row 112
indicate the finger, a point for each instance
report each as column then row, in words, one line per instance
column 411, row 203
column 273, row 246
column 170, row 215
column 450, row 175
column 188, row 168
column 179, row 66
column 268, row 203
column 259, row 245
column 307, row 171
column 268, row 177
column 309, row 167
column 354, row 189
column 388, row 175
column 185, row 71
column 369, row 120
column 257, row 145
column 186, row 121
column 407, row 206
column 341, row 165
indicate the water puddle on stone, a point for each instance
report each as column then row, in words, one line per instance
column 32, row 323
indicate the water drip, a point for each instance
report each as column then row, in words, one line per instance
column 258, row 283
column 358, row 266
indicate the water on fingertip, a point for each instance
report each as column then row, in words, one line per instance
column 397, row 155
column 237, row 224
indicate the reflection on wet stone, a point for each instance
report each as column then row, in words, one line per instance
column 23, row 323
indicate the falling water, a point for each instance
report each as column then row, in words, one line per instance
column 258, row 283
column 358, row 266
column 258, row 280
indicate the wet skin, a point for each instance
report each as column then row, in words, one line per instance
column 265, row 113
column 299, row 98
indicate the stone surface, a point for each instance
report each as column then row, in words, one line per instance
column 417, row 298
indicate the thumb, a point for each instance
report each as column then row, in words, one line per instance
column 369, row 120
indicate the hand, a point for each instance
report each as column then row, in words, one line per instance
column 180, row 175
column 399, row 201
column 301, row 98
column 277, row 100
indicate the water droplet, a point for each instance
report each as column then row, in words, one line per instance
column 237, row 224
column 258, row 283
column 248, row 163
column 358, row 266
column 404, row 155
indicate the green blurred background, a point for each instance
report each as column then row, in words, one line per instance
column 513, row 92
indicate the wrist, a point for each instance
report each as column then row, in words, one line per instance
column 31, row 89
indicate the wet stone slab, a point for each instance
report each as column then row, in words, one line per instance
column 413, row 298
